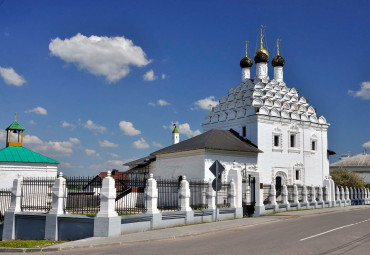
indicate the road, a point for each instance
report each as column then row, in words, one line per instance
column 334, row 233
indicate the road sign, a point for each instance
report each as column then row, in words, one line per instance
column 217, row 186
column 217, row 168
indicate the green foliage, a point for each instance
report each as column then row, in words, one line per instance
column 343, row 177
column 28, row 243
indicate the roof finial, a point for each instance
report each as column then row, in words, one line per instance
column 261, row 36
column 278, row 46
column 246, row 49
column 15, row 117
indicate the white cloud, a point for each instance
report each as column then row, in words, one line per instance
column 11, row 77
column 149, row 76
column 163, row 76
column 94, row 127
column 128, row 128
column 60, row 148
column 69, row 165
column 100, row 55
column 74, row 140
column 204, row 103
column 66, row 124
column 114, row 155
column 183, row 129
column 366, row 145
column 111, row 164
column 38, row 110
column 106, row 143
column 363, row 93
column 159, row 102
column 90, row 152
column 141, row 144
column 32, row 122
column 2, row 135
column 158, row 145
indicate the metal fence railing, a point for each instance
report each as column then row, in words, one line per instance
column 5, row 197
column 168, row 194
column 131, row 198
column 198, row 194
column 309, row 192
column 37, row 194
column 300, row 191
column 83, row 195
column 222, row 196
column 290, row 189
column 266, row 193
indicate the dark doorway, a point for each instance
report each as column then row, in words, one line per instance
column 278, row 182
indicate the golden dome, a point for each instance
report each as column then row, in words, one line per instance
column 262, row 49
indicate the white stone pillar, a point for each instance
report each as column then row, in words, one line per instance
column 184, row 195
column 272, row 197
column 355, row 195
column 232, row 194
column 57, row 208
column 246, row 74
column 107, row 222
column 15, row 207
column 346, row 191
column 259, row 208
column 337, row 195
column 326, row 194
column 151, row 192
column 342, row 196
column 278, row 73
column 284, row 195
column 211, row 197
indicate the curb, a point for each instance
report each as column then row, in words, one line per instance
column 54, row 249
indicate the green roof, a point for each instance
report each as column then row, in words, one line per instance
column 175, row 131
column 21, row 154
column 15, row 126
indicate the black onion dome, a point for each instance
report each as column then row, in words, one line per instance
column 278, row 61
column 261, row 57
column 246, row 62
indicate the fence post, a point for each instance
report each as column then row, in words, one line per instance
column 326, row 194
column 295, row 196
column 184, row 200
column 272, row 197
column 15, row 207
column 231, row 194
column 346, row 193
column 259, row 207
column 304, row 196
column 342, row 198
column 107, row 222
column 284, row 196
column 313, row 196
column 236, row 176
column 151, row 192
column 367, row 195
column 355, row 195
column 57, row 208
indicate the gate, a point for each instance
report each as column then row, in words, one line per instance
column 249, row 195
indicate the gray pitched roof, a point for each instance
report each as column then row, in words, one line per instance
column 360, row 160
column 228, row 140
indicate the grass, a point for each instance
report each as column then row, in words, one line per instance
column 28, row 243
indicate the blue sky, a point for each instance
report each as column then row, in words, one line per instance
column 94, row 105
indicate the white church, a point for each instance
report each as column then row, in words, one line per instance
column 259, row 125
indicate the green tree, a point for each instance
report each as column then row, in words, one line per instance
column 343, row 177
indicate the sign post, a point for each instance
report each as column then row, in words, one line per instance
column 217, row 168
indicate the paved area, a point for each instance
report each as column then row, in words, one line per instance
column 267, row 233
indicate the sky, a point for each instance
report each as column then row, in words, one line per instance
column 98, row 83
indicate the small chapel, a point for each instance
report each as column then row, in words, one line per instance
column 18, row 161
column 259, row 125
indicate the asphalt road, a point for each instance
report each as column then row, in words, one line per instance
column 334, row 233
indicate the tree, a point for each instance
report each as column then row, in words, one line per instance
column 347, row 178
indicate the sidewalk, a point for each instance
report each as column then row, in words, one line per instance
column 183, row 231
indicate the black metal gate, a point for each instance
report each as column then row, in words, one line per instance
column 249, row 195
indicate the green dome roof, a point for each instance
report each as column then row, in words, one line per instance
column 175, row 131
column 24, row 155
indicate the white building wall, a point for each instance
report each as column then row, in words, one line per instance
column 196, row 164
column 11, row 170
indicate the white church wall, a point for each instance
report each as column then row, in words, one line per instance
column 10, row 171
column 172, row 165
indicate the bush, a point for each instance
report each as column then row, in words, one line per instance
column 343, row 177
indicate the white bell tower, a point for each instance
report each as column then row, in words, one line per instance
column 175, row 135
